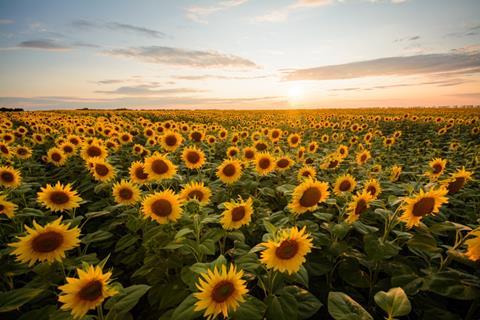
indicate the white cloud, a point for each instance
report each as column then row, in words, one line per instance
column 200, row 13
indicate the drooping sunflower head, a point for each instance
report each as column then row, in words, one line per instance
column 423, row 204
column 287, row 252
column 220, row 291
column 358, row 205
column 283, row 163
column 306, row 172
column 196, row 191
column 159, row 167
column 373, row 187
column 193, row 157
column 237, row 214
column 6, row 207
column 331, row 162
column 101, row 169
column 47, row 243
column 137, row 173
column 308, row 195
column 264, row 163
column 126, row 193
column 395, row 172
column 473, row 245
column 58, row 197
column 344, row 183
column 90, row 289
column 171, row 140
column 162, row 207
column 457, row 180
column 229, row 171
column 10, row 177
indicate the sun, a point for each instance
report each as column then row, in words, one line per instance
column 295, row 92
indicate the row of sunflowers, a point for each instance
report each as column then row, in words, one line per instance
column 305, row 214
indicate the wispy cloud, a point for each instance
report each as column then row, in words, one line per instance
column 6, row 21
column 409, row 65
column 183, row 57
column 282, row 13
column 116, row 26
column 438, row 83
column 43, row 44
column 411, row 38
column 471, row 30
column 200, row 13
column 149, row 90
column 220, row 77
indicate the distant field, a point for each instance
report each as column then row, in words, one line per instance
column 295, row 214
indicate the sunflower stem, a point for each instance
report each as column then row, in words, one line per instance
column 100, row 312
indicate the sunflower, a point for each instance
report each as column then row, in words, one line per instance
column 283, row 163
column 229, row 171
column 170, row 141
column 308, row 195
column 220, row 291
column 93, row 150
column 294, row 140
column 67, row 148
column 248, row 153
column 438, row 166
column 56, row 157
column 331, row 162
column 6, row 207
column 158, row 167
column 457, row 180
column 237, row 214
column 422, row 204
column 358, row 205
column 372, row 186
column 287, row 253
column 162, row 206
column 47, row 243
column 5, row 151
column 395, row 172
column 10, row 177
column 196, row 191
column 342, row 151
column 232, row 152
column 306, row 172
column 362, row 157
column 137, row 173
column 193, row 157
column 58, row 197
column 264, row 163
column 473, row 245
column 23, row 152
column 86, row 292
column 101, row 169
column 125, row 192
column 344, row 183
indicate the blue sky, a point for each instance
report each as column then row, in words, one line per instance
column 239, row 53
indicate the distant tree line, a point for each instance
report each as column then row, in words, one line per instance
column 4, row 109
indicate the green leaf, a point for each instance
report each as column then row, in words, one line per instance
column 342, row 307
column 251, row 309
column 308, row 304
column 125, row 301
column 394, row 302
column 14, row 299
column 379, row 250
column 269, row 227
column 97, row 236
column 350, row 271
column 282, row 307
column 183, row 232
column 185, row 310
column 126, row 241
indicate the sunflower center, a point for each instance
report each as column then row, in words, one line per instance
column 455, row 186
column 287, row 249
column 264, row 163
column 68, row 149
column 345, row 185
column 4, row 149
column 437, row 168
column 282, row 163
column 56, row 157
column 310, row 197
column 275, row 134
column 125, row 193
column 59, row 197
column 101, row 169
column 91, row 291
column 333, row 164
column 94, row 151
column 238, row 213
column 222, row 291
column 159, row 166
column 294, row 140
column 249, row 154
column 229, row 170
column 47, row 242
column 171, row 141
column 7, row 176
column 261, row 146
column 22, row 151
column 162, row 208
column 196, row 136
column 363, row 158
column 360, row 207
column 423, row 207
column 306, row 173
column 372, row 190
column 193, row 157
column 196, row 194
column 125, row 137
column 140, row 174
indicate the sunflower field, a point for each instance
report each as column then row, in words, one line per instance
column 246, row 215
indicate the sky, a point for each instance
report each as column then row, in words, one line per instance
column 239, row 54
